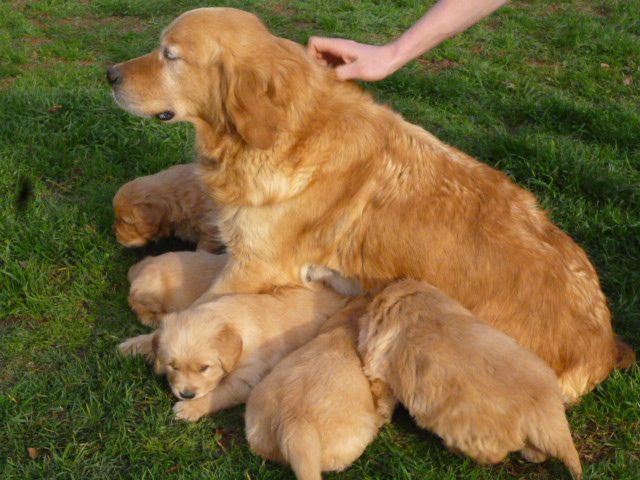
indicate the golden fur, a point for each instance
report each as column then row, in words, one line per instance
column 307, row 169
column 474, row 386
column 214, row 353
column 171, row 202
column 316, row 410
column 171, row 282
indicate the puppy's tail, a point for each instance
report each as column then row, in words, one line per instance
column 568, row 455
column 300, row 446
column 556, row 440
column 626, row 356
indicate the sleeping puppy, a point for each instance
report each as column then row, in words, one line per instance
column 304, row 168
column 171, row 282
column 172, row 201
column 462, row 379
column 316, row 410
column 214, row 354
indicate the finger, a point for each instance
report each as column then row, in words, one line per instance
column 316, row 45
column 348, row 71
column 337, row 47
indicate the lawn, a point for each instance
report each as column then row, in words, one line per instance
column 546, row 91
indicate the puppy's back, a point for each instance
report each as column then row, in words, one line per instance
column 437, row 337
column 315, row 410
column 461, row 378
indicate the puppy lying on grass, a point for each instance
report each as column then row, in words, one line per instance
column 316, row 410
column 215, row 353
column 462, row 379
column 171, row 202
column 171, row 282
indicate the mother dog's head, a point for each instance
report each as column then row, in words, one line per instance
column 220, row 69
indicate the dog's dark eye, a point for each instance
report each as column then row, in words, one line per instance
column 168, row 54
column 204, row 368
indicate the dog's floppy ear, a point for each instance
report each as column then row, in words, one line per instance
column 260, row 87
column 155, row 342
column 149, row 218
column 229, row 346
column 155, row 345
column 250, row 103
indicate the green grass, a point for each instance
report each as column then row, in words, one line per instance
column 547, row 91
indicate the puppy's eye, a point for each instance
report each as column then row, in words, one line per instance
column 172, row 366
column 168, row 54
column 204, row 368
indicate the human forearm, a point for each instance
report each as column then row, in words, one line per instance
column 445, row 19
column 355, row 60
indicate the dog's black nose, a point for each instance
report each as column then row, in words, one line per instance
column 187, row 395
column 113, row 75
column 165, row 116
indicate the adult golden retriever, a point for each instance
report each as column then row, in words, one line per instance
column 307, row 169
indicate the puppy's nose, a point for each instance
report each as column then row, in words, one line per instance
column 113, row 75
column 187, row 395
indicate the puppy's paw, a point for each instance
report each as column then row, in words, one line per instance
column 140, row 345
column 189, row 410
column 307, row 273
column 310, row 273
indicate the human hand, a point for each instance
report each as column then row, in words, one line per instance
column 353, row 60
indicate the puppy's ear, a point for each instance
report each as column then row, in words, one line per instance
column 155, row 347
column 149, row 218
column 155, row 342
column 229, row 346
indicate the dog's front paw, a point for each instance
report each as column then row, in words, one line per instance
column 189, row 410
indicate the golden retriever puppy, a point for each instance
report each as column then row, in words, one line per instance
column 472, row 385
column 171, row 202
column 214, row 354
column 305, row 169
column 171, row 282
column 316, row 410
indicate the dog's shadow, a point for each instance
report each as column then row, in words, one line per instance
column 401, row 442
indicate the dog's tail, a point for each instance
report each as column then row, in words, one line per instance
column 554, row 439
column 626, row 356
column 300, row 446
column 568, row 455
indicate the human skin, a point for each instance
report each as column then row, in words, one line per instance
column 358, row 61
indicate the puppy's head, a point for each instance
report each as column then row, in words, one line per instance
column 139, row 214
column 217, row 68
column 195, row 352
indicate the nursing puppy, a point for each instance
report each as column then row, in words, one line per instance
column 171, row 282
column 307, row 169
column 316, row 410
column 215, row 353
column 484, row 395
column 171, row 202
